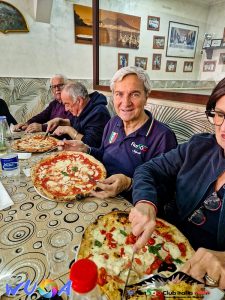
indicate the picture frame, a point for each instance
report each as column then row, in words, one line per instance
column 216, row 42
column 12, row 19
column 188, row 66
column 206, row 43
column 153, row 23
column 158, row 42
column 209, row 66
column 141, row 62
column 182, row 40
column 222, row 59
column 122, row 60
column 126, row 33
column 171, row 66
column 156, row 61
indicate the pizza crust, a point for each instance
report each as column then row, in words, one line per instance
column 56, row 176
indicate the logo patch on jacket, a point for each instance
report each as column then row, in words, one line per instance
column 113, row 137
column 139, row 148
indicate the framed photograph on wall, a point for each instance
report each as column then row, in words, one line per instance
column 206, row 43
column 153, row 23
column 122, row 60
column 216, row 42
column 156, row 61
column 141, row 62
column 182, row 40
column 209, row 66
column 222, row 59
column 158, row 42
column 188, row 66
column 171, row 65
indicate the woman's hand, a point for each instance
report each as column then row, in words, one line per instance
column 208, row 262
column 143, row 221
column 72, row 145
column 112, row 186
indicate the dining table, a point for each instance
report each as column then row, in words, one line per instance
column 32, row 221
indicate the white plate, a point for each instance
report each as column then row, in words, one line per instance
column 43, row 195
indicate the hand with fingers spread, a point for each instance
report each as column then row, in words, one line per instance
column 207, row 266
column 72, row 145
column 112, row 186
column 34, row 127
column 143, row 222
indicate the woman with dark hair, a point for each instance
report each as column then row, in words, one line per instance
column 4, row 111
column 195, row 173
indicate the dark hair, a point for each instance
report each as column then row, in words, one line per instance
column 217, row 93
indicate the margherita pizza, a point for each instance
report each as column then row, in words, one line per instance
column 109, row 241
column 67, row 175
column 35, row 143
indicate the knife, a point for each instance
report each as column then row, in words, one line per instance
column 128, row 275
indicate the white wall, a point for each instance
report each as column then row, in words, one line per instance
column 50, row 48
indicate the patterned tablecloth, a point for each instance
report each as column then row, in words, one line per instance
column 25, row 225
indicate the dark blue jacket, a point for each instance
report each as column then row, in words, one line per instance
column 92, row 120
column 122, row 154
column 192, row 168
column 4, row 111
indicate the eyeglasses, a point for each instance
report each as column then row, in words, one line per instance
column 212, row 203
column 57, row 86
column 215, row 117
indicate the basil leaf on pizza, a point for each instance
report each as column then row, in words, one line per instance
column 67, row 175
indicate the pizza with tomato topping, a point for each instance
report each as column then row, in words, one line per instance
column 35, row 143
column 109, row 243
column 67, row 175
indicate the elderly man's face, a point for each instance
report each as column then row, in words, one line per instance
column 70, row 105
column 129, row 98
column 56, row 87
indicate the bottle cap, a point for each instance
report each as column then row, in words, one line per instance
column 83, row 274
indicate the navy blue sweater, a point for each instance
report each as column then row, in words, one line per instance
column 92, row 120
column 190, row 171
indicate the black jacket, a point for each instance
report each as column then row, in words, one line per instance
column 4, row 111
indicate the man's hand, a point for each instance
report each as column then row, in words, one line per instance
column 112, row 186
column 52, row 124
column 20, row 126
column 34, row 127
column 60, row 130
column 208, row 262
column 143, row 221
column 72, row 145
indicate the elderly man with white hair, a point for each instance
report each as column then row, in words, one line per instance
column 130, row 138
column 54, row 109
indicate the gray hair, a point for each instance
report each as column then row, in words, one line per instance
column 75, row 90
column 60, row 76
column 141, row 74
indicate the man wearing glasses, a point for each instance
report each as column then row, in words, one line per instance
column 53, row 110
column 194, row 174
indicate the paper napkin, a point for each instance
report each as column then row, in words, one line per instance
column 5, row 200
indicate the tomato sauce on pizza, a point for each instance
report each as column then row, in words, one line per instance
column 67, row 175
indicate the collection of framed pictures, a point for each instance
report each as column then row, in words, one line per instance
column 181, row 42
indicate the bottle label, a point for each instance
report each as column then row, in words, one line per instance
column 9, row 163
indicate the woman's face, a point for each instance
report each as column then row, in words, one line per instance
column 220, row 130
column 129, row 98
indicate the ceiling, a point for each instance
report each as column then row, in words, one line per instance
column 209, row 2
